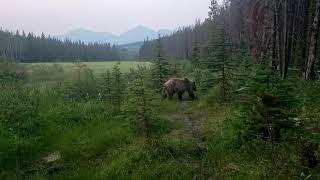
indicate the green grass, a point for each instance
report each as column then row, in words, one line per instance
column 96, row 144
column 49, row 74
column 97, row 67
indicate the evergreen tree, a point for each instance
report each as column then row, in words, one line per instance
column 140, row 113
column 107, row 87
column 83, row 85
column 160, row 67
column 219, row 61
column 214, row 10
column 195, row 61
column 196, row 55
column 117, row 88
column 268, row 105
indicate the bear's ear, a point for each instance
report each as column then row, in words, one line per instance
column 186, row 79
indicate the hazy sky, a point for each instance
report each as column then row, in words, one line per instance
column 59, row 16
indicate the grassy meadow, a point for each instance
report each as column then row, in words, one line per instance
column 68, row 69
column 97, row 67
column 51, row 73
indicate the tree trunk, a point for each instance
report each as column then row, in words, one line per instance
column 284, row 41
column 290, row 34
column 312, row 50
column 280, row 35
column 275, row 55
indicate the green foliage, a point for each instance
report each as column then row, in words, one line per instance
column 168, row 160
column 269, row 106
column 22, row 127
column 106, row 87
column 44, row 72
column 196, row 55
column 204, row 78
column 160, row 68
column 198, row 77
column 20, row 111
column 83, row 86
column 298, row 56
column 11, row 72
column 242, row 72
column 32, row 48
column 222, row 141
column 214, row 10
column 139, row 108
column 219, row 63
column 118, row 88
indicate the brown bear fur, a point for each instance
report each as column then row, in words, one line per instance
column 178, row 86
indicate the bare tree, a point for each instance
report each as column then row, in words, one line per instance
column 312, row 46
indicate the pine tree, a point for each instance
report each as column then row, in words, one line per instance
column 196, row 62
column 117, row 88
column 160, row 67
column 139, row 109
column 83, row 85
column 219, row 61
column 107, row 87
column 267, row 105
column 214, row 10
column 196, row 55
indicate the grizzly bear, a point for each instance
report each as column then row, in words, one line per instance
column 178, row 86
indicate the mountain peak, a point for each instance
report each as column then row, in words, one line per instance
column 139, row 28
column 79, row 30
column 139, row 33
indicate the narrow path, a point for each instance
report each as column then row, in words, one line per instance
column 190, row 124
column 191, row 128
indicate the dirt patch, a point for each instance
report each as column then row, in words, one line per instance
column 191, row 124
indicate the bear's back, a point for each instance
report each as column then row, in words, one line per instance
column 176, row 84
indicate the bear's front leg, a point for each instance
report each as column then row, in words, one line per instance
column 180, row 96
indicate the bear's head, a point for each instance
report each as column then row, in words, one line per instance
column 191, row 84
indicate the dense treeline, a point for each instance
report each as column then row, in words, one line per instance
column 285, row 33
column 31, row 48
column 180, row 43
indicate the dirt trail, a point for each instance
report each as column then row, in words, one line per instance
column 190, row 123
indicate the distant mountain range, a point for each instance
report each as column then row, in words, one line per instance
column 136, row 34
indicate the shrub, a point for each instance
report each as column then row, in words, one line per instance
column 268, row 106
column 139, row 109
column 11, row 72
column 20, row 111
column 83, row 86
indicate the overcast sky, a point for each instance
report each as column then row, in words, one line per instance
column 58, row 16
